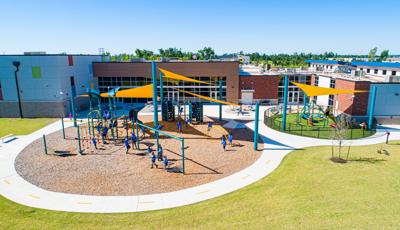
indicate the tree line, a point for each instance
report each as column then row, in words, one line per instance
column 294, row 60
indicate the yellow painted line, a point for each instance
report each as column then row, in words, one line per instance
column 7, row 182
column 34, row 196
column 202, row 192
column 146, row 202
column 244, row 177
column 84, row 202
column 267, row 162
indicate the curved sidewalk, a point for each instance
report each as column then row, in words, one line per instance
column 276, row 146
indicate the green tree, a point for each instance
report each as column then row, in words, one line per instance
column 384, row 55
column 372, row 54
column 206, row 53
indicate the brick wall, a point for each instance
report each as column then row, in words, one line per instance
column 265, row 87
column 356, row 104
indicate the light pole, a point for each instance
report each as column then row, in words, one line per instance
column 17, row 64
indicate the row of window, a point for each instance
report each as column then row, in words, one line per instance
column 170, row 92
column 384, row 72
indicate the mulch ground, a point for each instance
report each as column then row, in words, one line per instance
column 110, row 171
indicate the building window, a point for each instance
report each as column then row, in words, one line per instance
column 384, row 72
column 361, row 69
column 393, row 73
column 375, row 71
column 316, row 82
column 368, row 70
column 332, row 83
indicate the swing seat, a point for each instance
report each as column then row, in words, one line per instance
column 62, row 153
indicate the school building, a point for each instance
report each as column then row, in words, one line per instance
column 46, row 83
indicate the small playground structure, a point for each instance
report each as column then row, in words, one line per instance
column 311, row 119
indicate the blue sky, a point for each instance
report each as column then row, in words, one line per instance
column 285, row 26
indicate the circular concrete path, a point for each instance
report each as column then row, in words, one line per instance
column 276, row 146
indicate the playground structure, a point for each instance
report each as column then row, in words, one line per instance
column 312, row 119
column 104, row 127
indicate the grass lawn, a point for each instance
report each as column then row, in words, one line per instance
column 320, row 129
column 24, row 126
column 306, row 191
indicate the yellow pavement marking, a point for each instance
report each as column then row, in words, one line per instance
column 202, row 192
column 7, row 182
column 84, row 202
column 244, row 177
column 34, row 196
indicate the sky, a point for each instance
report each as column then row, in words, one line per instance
column 265, row 26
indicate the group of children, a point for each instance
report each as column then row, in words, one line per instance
column 230, row 140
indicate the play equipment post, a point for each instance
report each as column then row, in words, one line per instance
column 73, row 106
column 45, row 145
column 126, row 126
column 220, row 98
column 372, row 107
column 62, row 124
column 255, row 141
column 137, row 134
column 285, row 97
column 304, row 101
column 154, row 80
column 183, row 156
column 79, row 140
column 161, row 89
column 190, row 112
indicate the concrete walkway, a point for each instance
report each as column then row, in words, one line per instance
column 277, row 146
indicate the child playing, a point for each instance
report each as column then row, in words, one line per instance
column 133, row 139
column 179, row 124
column 160, row 152
column 187, row 121
column 94, row 142
column 223, row 143
column 127, row 146
column 143, row 131
column 165, row 162
column 209, row 126
column 149, row 149
column 153, row 160
column 230, row 139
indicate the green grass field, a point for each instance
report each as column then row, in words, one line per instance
column 24, row 126
column 321, row 129
column 307, row 191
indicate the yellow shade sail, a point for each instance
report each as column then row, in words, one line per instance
column 208, row 98
column 312, row 91
column 139, row 92
column 171, row 75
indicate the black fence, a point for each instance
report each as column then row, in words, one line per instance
column 354, row 132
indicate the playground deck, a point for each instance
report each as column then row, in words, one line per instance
column 109, row 171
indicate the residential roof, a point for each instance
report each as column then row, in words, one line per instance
column 377, row 64
column 327, row 62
